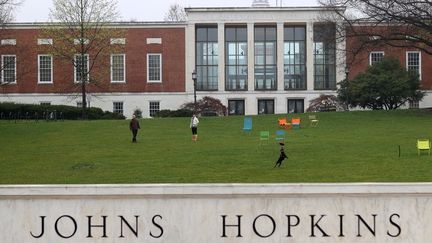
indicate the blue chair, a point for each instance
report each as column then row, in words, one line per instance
column 247, row 124
column 280, row 135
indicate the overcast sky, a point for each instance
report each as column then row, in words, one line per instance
column 142, row 10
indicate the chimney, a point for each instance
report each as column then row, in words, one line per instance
column 260, row 3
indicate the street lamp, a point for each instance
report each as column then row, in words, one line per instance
column 194, row 78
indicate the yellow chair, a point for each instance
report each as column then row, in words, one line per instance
column 313, row 121
column 423, row 144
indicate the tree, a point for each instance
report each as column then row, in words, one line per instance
column 175, row 13
column 82, row 36
column 206, row 106
column 384, row 85
column 7, row 8
column 397, row 23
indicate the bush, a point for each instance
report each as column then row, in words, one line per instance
column 325, row 103
column 32, row 111
column 138, row 113
column 175, row 113
column 207, row 106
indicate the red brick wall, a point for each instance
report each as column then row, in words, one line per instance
column 358, row 62
column 136, row 49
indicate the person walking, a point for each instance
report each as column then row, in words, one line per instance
column 134, row 126
column 282, row 155
column 194, row 126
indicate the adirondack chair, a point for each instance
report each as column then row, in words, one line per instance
column 313, row 121
column 280, row 135
column 423, row 144
column 264, row 136
column 295, row 123
column 247, row 124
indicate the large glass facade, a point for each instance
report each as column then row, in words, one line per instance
column 265, row 58
column 294, row 58
column 325, row 56
column 207, row 57
column 236, row 58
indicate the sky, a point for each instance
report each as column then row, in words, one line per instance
column 142, row 10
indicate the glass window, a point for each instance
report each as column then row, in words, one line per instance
column 45, row 69
column 206, row 58
column 324, row 56
column 154, row 107
column 375, row 56
column 236, row 107
column 265, row 58
column 8, row 69
column 295, row 106
column 236, row 58
column 118, row 68
column 81, row 62
column 413, row 62
column 154, row 67
column 294, row 58
column 118, row 107
column 265, row 107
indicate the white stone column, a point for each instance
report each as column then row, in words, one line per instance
column 251, row 56
column 309, row 56
column 341, row 61
column 221, row 57
column 280, row 56
column 190, row 59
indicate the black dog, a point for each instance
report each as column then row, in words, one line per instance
column 282, row 156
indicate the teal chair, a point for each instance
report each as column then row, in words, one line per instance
column 280, row 135
column 264, row 136
column 247, row 124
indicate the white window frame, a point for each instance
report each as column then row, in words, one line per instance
column 52, row 69
column 154, row 101
column 148, row 68
column 374, row 52
column 2, row 71
column 420, row 62
column 75, row 68
column 118, row 101
column 124, row 69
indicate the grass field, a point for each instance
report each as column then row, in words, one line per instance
column 345, row 147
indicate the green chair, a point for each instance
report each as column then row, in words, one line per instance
column 264, row 136
column 423, row 144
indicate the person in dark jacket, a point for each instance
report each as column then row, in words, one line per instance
column 282, row 155
column 134, row 126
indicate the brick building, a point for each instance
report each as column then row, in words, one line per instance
column 255, row 60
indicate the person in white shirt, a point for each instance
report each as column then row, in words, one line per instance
column 194, row 126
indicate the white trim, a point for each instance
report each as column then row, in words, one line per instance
column 75, row 69
column 78, row 41
column 15, row 65
column 118, row 41
column 8, row 42
column 52, row 69
column 124, row 68
column 45, row 41
column 374, row 52
column 160, row 68
column 420, row 62
column 154, row 41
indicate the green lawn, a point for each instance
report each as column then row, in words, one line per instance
column 345, row 147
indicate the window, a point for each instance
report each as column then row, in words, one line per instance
column 375, row 56
column 154, row 107
column 413, row 62
column 81, row 62
column 45, row 103
column 79, row 104
column 45, row 73
column 154, row 68
column 236, row 107
column 236, row 58
column 413, row 104
column 207, row 58
column 118, row 68
column 8, row 69
column 265, row 107
column 118, row 107
column 295, row 106
column 294, row 58
column 265, row 58
column 325, row 57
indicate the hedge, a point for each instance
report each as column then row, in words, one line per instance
column 32, row 111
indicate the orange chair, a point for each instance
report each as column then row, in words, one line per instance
column 295, row 123
column 282, row 122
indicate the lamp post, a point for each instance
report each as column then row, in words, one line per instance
column 194, row 78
